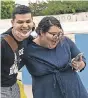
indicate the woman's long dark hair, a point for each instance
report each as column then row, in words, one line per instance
column 45, row 24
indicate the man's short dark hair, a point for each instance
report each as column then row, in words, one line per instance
column 20, row 9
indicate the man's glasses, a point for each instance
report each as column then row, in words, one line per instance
column 59, row 35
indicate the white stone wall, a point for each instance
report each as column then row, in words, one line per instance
column 71, row 23
column 68, row 17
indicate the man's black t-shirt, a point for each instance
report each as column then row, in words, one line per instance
column 9, row 67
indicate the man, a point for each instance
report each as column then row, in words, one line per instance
column 22, row 24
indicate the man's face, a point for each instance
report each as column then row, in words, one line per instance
column 22, row 25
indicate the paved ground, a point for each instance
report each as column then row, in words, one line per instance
column 27, row 88
column 28, row 91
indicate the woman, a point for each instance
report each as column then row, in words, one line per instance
column 48, row 60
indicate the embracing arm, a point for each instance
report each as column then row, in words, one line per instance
column 22, row 63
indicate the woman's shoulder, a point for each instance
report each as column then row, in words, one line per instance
column 65, row 40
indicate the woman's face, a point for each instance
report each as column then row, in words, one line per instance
column 51, row 38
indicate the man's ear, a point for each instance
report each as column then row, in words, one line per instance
column 33, row 28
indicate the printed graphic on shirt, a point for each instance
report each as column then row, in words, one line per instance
column 21, row 51
column 14, row 67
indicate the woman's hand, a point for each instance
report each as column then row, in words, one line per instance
column 78, row 65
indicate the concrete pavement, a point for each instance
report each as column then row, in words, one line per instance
column 28, row 91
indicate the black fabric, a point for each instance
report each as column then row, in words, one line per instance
column 7, row 59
